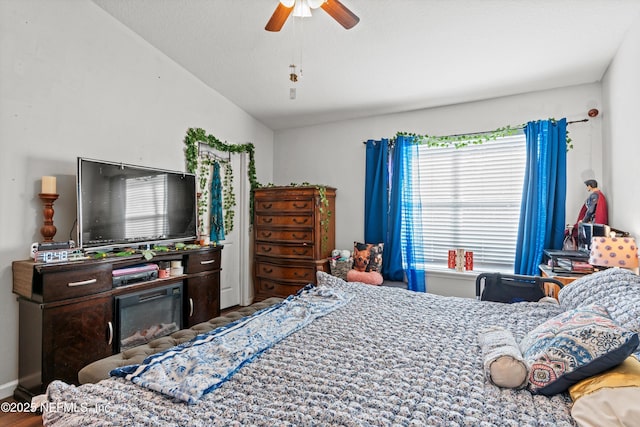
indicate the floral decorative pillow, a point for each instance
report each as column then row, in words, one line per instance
column 367, row 256
column 572, row 346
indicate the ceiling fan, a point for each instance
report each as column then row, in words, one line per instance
column 302, row 8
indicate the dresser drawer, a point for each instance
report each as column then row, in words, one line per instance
column 266, row 206
column 284, row 220
column 268, row 288
column 203, row 261
column 282, row 235
column 289, row 251
column 285, row 272
column 78, row 282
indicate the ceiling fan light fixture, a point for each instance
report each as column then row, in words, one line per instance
column 301, row 9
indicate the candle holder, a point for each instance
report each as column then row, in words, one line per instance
column 48, row 230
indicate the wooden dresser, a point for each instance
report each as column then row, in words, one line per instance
column 294, row 235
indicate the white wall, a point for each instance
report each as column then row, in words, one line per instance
column 75, row 82
column 621, row 99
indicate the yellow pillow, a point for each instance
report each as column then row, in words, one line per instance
column 609, row 398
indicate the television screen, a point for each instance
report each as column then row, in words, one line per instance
column 121, row 205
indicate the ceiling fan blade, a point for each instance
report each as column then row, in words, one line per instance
column 340, row 13
column 278, row 18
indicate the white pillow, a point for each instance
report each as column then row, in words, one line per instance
column 502, row 360
column 610, row 398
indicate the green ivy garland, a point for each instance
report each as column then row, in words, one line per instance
column 228, row 199
column 459, row 141
column 196, row 136
column 228, row 195
column 325, row 216
column 463, row 140
column 203, row 173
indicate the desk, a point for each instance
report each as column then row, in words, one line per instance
column 564, row 278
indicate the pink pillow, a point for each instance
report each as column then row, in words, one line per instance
column 368, row 277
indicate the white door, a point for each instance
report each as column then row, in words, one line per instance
column 235, row 278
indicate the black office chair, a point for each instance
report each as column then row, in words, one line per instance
column 515, row 288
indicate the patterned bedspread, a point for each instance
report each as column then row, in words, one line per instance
column 389, row 357
column 201, row 365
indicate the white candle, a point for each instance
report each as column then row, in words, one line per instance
column 48, row 185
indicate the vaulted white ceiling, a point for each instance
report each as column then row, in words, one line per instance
column 403, row 55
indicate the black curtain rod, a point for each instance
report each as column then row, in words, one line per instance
column 489, row 131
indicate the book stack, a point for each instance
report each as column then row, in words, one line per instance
column 581, row 267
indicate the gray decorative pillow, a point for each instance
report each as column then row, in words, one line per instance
column 616, row 289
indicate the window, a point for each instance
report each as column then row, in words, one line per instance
column 470, row 199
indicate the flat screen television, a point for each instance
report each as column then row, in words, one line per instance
column 122, row 205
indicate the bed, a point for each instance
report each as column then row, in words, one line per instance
column 385, row 356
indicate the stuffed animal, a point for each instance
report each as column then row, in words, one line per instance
column 341, row 254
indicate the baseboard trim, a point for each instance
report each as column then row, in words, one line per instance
column 6, row 390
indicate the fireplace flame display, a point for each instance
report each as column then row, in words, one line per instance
column 146, row 335
column 146, row 315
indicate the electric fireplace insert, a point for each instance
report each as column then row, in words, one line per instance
column 147, row 315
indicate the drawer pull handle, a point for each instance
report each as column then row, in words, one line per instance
column 266, row 234
column 295, row 236
column 110, row 325
column 267, row 270
column 209, row 261
column 302, row 252
column 267, row 220
column 297, row 206
column 298, row 221
column 269, row 286
column 266, row 248
column 297, row 274
column 190, row 307
column 267, row 205
column 83, row 283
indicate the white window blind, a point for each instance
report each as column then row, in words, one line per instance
column 471, row 199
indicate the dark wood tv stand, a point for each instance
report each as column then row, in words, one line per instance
column 67, row 310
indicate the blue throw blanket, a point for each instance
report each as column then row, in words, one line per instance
column 195, row 368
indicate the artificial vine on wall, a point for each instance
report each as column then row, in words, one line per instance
column 228, row 194
column 200, row 165
column 325, row 216
column 203, row 173
column 459, row 141
column 229, row 198
column 463, row 140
